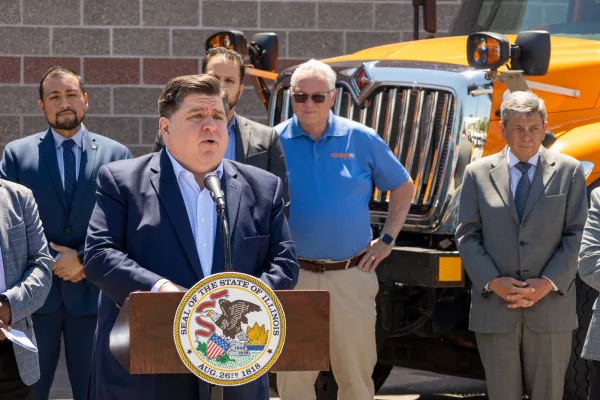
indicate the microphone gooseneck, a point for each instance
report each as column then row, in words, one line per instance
column 213, row 184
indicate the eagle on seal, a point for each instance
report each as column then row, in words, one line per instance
column 233, row 314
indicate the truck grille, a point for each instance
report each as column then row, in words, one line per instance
column 416, row 123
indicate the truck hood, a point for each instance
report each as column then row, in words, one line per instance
column 574, row 64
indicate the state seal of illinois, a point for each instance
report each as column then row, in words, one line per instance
column 229, row 329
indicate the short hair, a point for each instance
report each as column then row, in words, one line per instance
column 227, row 55
column 314, row 67
column 56, row 72
column 175, row 91
column 522, row 103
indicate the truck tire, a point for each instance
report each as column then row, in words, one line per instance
column 577, row 379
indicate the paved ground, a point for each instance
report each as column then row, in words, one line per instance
column 403, row 384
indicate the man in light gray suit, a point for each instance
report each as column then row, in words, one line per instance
column 521, row 218
column 589, row 271
column 25, row 279
column 250, row 143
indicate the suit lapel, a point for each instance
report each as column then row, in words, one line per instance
column 167, row 189
column 89, row 150
column 231, row 189
column 543, row 174
column 48, row 154
column 3, row 232
column 500, row 177
column 242, row 139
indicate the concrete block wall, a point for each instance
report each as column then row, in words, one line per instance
column 127, row 49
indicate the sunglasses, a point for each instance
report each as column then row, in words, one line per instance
column 317, row 98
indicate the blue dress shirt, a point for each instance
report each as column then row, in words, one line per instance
column 230, row 152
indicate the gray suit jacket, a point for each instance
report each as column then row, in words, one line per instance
column 589, row 271
column 257, row 145
column 27, row 267
column 493, row 243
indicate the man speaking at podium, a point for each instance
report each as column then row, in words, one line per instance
column 155, row 228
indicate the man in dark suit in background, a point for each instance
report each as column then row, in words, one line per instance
column 249, row 142
column 155, row 227
column 60, row 167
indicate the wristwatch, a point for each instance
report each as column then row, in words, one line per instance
column 387, row 239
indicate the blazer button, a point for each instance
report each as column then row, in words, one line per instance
column 68, row 230
column 518, row 273
column 521, row 243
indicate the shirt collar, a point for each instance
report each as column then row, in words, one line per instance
column 179, row 169
column 77, row 137
column 513, row 160
column 334, row 128
column 232, row 123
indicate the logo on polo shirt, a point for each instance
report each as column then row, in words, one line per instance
column 345, row 156
column 229, row 329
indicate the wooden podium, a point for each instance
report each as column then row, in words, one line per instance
column 142, row 337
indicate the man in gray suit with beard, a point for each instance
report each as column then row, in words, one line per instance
column 521, row 219
column 250, row 143
column 25, row 279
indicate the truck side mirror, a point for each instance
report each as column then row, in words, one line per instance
column 232, row 40
column 265, row 47
column 429, row 16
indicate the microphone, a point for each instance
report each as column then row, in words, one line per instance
column 213, row 184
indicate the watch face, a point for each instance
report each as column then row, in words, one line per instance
column 387, row 239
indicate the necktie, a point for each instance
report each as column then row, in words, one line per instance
column 523, row 188
column 69, row 169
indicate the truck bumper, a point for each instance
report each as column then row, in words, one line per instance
column 422, row 267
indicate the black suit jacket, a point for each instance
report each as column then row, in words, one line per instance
column 257, row 145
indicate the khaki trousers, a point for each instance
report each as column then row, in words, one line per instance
column 525, row 362
column 353, row 353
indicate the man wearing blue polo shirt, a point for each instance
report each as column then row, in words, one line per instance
column 333, row 165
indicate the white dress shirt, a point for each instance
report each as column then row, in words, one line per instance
column 2, row 278
column 515, row 176
column 58, row 141
column 201, row 212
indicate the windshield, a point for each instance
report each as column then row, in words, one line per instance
column 572, row 18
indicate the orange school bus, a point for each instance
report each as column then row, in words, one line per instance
column 438, row 113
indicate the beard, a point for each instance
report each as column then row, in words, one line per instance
column 234, row 101
column 67, row 122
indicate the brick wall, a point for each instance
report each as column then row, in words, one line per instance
column 126, row 49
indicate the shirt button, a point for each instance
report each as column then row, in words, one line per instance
column 202, row 219
column 68, row 230
column 521, row 243
column 204, row 244
column 188, row 174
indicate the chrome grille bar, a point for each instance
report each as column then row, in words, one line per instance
column 424, row 164
column 414, row 137
column 439, row 148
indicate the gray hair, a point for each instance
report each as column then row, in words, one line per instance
column 314, row 68
column 522, row 103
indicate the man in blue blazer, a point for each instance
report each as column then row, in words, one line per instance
column 60, row 167
column 155, row 228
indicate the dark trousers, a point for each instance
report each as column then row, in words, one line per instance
column 594, row 391
column 78, row 331
column 11, row 385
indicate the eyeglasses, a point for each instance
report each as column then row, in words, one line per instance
column 317, row 98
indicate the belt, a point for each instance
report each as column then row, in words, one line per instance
column 320, row 267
